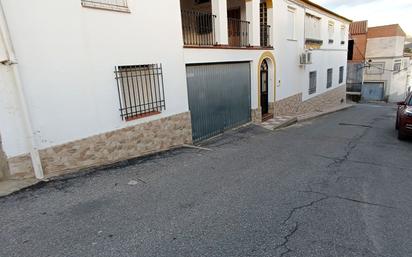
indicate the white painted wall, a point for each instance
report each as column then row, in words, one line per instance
column 3, row 53
column 293, row 76
column 12, row 127
column 386, row 76
column 399, row 87
column 396, row 83
column 67, row 54
column 385, row 47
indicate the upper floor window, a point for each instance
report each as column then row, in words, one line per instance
column 331, row 31
column 112, row 5
column 291, row 26
column 397, row 66
column 342, row 34
column 312, row 27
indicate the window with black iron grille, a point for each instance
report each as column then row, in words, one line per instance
column 141, row 90
column 312, row 82
column 113, row 5
column 329, row 78
column 341, row 74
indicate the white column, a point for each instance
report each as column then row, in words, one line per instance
column 219, row 8
column 253, row 16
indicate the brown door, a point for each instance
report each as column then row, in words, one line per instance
column 233, row 16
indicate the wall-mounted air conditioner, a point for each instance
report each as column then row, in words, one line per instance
column 306, row 58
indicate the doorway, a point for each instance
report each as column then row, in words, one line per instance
column 234, row 26
column 264, row 90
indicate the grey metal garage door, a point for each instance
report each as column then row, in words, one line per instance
column 219, row 97
column 373, row 91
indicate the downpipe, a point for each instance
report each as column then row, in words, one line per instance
column 12, row 62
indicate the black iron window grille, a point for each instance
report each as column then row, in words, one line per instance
column 329, row 78
column 141, row 90
column 113, row 5
column 312, row 82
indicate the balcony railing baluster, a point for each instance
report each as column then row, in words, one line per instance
column 198, row 28
column 238, row 32
column 265, row 35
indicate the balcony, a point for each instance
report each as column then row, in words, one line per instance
column 238, row 32
column 226, row 24
column 198, row 28
column 265, row 35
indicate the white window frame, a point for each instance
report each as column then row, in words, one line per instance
column 397, row 66
column 292, row 35
column 342, row 34
column 331, row 32
column 313, row 27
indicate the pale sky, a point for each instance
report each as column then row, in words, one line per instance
column 377, row 12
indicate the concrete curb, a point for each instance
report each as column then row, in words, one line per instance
column 286, row 123
column 9, row 187
column 313, row 115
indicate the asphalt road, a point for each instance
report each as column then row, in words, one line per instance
column 340, row 185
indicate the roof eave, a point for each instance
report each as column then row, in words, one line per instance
column 326, row 10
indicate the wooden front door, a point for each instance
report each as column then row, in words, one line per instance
column 233, row 16
column 264, row 88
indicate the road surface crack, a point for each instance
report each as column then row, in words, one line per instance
column 295, row 209
column 350, row 199
column 287, row 237
column 351, row 145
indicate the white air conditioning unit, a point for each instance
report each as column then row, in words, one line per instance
column 306, row 58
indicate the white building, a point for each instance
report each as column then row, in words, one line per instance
column 409, row 76
column 386, row 75
column 68, row 65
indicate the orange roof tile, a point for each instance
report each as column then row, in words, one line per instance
column 358, row 28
